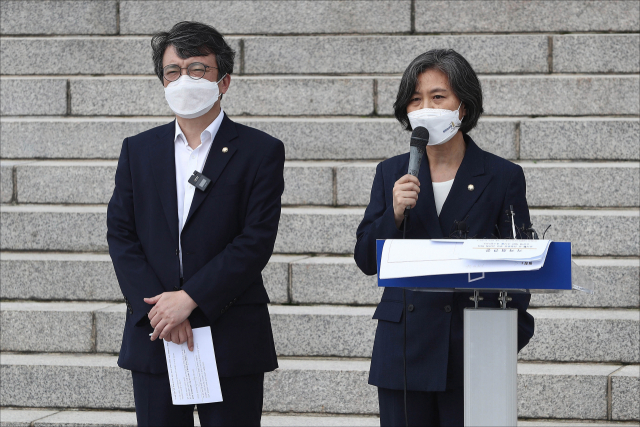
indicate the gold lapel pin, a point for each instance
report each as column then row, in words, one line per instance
column 225, row 149
column 471, row 187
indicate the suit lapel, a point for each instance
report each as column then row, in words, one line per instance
column 461, row 198
column 216, row 161
column 163, row 164
column 425, row 209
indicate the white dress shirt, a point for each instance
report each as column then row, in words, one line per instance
column 189, row 160
column 440, row 193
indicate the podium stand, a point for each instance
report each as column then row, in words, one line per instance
column 490, row 367
column 491, row 334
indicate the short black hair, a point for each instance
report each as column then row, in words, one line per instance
column 193, row 39
column 462, row 79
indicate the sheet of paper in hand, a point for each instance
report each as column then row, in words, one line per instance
column 193, row 374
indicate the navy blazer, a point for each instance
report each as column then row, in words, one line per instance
column 227, row 240
column 435, row 327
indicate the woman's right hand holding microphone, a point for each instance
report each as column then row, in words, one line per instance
column 405, row 194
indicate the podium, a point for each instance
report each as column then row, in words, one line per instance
column 490, row 334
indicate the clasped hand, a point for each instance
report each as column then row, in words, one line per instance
column 169, row 317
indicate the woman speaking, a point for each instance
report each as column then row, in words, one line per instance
column 460, row 191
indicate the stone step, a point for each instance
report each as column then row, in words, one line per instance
column 360, row 54
column 335, row 183
column 575, row 335
column 548, row 184
column 307, row 385
column 55, row 418
column 336, row 138
column 90, row 277
column 90, row 17
column 282, row 17
column 562, row 335
column 584, row 335
column 500, row 16
column 625, row 384
column 274, row 17
column 298, row 95
column 580, row 53
column 333, row 138
column 306, row 229
column 6, row 182
column 92, row 182
column 487, row 54
column 69, row 418
column 582, row 95
column 615, row 281
column 562, row 139
column 57, row 327
column 42, row 96
column 129, row 55
column 332, row 230
column 82, row 55
column 298, row 279
column 337, row 280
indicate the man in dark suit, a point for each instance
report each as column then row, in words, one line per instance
column 188, row 257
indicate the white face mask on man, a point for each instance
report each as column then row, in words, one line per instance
column 190, row 98
column 442, row 124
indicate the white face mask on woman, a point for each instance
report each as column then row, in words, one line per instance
column 442, row 124
column 190, row 98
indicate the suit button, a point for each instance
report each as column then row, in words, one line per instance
column 447, row 308
column 177, row 252
column 410, row 308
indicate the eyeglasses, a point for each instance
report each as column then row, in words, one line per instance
column 195, row 70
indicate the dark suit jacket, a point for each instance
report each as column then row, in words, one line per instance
column 227, row 240
column 434, row 331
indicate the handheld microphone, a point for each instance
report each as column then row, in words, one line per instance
column 419, row 141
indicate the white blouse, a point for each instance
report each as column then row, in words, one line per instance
column 440, row 193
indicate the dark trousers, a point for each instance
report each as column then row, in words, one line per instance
column 241, row 405
column 439, row 408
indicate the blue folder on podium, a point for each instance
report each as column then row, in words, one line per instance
column 555, row 274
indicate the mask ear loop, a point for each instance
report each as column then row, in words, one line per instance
column 458, row 111
column 218, row 82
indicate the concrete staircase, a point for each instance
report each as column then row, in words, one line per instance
column 561, row 85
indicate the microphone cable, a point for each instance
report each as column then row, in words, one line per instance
column 404, row 335
column 418, row 146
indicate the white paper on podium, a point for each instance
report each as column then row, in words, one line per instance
column 414, row 258
column 193, row 375
column 504, row 249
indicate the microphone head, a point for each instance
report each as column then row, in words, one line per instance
column 420, row 137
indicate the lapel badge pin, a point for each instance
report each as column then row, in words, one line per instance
column 225, row 149
column 471, row 187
